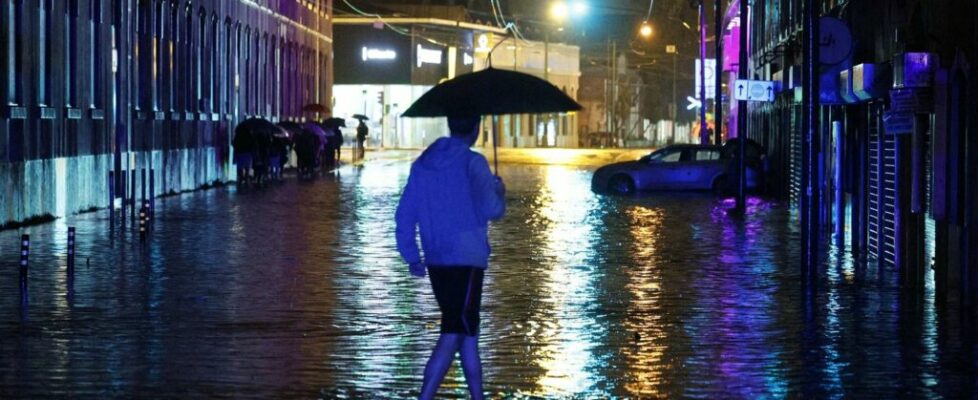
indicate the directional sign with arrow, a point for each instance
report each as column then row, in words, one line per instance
column 694, row 103
column 754, row 90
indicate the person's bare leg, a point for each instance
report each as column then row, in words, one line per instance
column 441, row 359
column 472, row 365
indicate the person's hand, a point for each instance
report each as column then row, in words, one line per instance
column 417, row 269
column 500, row 187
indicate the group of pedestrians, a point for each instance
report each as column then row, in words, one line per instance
column 262, row 149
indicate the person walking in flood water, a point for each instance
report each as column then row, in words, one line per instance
column 451, row 195
column 362, row 132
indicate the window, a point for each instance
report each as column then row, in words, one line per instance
column 203, row 97
column 707, row 155
column 95, row 64
column 245, row 57
column 189, row 62
column 666, row 156
column 174, row 57
column 13, row 36
column 71, row 52
column 44, row 53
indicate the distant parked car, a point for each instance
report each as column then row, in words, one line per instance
column 678, row 167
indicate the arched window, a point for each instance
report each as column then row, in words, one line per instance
column 191, row 63
column 261, row 78
column 95, row 56
column 175, row 56
column 70, row 44
column 214, row 65
column 227, row 80
column 255, row 54
column 10, row 29
column 245, row 69
column 44, row 52
column 200, row 55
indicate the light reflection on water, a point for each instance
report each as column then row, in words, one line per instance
column 297, row 291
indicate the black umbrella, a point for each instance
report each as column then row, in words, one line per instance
column 251, row 131
column 334, row 122
column 361, row 117
column 492, row 92
column 315, row 108
column 294, row 128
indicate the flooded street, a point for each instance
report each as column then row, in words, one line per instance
column 297, row 291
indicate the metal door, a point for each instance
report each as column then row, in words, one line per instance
column 882, row 199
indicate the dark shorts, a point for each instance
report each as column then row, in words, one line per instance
column 459, row 294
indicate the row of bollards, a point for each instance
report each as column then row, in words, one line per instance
column 25, row 252
column 147, row 191
column 145, row 214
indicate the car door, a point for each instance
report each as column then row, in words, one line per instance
column 661, row 171
column 703, row 166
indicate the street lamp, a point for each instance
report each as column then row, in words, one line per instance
column 559, row 11
column 671, row 49
column 645, row 30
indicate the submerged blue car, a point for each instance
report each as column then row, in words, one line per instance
column 679, row 167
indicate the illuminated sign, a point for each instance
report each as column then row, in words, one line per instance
column 466, row 59
column 428, row 56
column 483, row 42
column 368, row 54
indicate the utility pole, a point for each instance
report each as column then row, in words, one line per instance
column 704, row 133
column 613, row 123
column 811, row 202
column 672, row 49
column 742, row 115
column 718, row 96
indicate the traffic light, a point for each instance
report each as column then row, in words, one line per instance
column 380, row 97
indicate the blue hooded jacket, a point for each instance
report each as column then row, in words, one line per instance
column 451, row 195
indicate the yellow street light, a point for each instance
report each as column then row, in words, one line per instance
column 645, row 30
column 559, row 10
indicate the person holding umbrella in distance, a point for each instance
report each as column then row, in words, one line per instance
column 450, row 197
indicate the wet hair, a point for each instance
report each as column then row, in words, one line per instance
column 463, row 126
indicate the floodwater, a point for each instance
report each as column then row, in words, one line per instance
column 296, row 291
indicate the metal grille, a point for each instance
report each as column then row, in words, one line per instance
column 795, row 155
column 882, row 192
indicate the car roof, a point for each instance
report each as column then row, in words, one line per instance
column 692, row 146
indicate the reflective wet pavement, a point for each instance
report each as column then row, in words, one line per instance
column 297, row 291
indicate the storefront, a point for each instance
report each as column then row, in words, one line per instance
column 381, row 71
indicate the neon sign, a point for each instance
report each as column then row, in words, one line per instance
column 369, row 54
column 428, row 56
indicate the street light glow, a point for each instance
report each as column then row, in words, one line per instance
column 559, row 10
column 580, row 8
column 645, row 30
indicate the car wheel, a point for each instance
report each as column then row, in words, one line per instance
column 720, row 185
column 621, row 184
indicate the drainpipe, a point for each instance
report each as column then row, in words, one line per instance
column 811, row 187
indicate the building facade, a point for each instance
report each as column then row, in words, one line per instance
column 895, row 167
column 383, row 66
column 134, row 98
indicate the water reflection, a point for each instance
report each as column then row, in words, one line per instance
column 297, row 291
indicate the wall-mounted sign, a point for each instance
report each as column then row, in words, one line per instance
column 372, row 54
column 483, row 42
column 694, row 103
column 467, row 59
column 711, row 82
column 754, row 90
column 896, row 123
column 428, row 56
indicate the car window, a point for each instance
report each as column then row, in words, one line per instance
column 666, row 156
column 707, row 155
